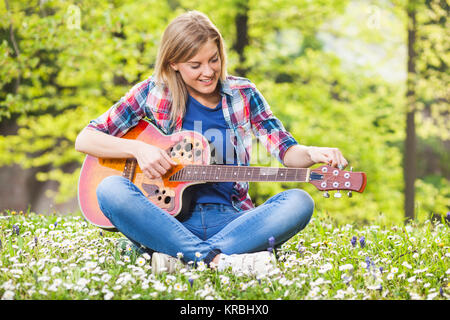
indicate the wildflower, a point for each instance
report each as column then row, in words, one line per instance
column 191, row 282
column 266, row 290
column 179, row 287
column 346, row 267
column 301, row 249
column 201, row 266
column 224, row 279
column 326, row 267
column 353, row 241
column 362, row 241
column 140, row 261
column 8, row 295
column 406, row 265
column 198, row 254
column 390, row 276
column 271, row 241
column 179, row 255
column 146, row 256
column 51, row 226
column 368, row 262
column 346, row 278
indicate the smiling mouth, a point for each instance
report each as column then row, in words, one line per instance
column 207, row 81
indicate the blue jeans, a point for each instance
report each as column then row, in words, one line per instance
column 211, row 229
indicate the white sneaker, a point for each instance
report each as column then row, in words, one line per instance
column 257, row 263
column 162, row 262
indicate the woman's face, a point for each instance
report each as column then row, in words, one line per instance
column 201, row 73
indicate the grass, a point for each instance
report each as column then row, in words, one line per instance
column 64, row 257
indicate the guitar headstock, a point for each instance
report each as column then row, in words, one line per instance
column 326, row 178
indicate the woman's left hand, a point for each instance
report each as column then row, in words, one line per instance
column 330, row 156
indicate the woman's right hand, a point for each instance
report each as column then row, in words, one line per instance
column 152, row 160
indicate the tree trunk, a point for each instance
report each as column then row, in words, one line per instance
column 410, row 168
column 241, row 22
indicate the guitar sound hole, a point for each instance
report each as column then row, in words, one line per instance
column 167, row 200
column 188, row 147
column 198, row 153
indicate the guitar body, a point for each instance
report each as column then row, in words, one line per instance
column 185, row 147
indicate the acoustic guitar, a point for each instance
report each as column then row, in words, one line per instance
column 191, row 151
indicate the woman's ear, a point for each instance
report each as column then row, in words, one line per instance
column 174, row 66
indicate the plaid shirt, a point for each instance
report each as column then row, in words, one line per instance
column 244, row 109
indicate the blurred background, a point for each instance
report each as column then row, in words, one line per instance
column 367, row 77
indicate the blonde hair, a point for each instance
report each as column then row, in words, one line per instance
column 181, row 41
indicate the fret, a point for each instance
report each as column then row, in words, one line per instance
column 238, row 173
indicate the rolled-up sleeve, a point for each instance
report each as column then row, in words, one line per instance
column 267, row 128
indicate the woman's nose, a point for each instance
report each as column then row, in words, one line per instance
column 208, row 71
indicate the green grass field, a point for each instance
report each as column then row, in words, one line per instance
column 64, row 257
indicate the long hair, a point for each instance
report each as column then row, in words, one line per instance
column 181, row 41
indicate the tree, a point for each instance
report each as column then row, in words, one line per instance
column 410, row 159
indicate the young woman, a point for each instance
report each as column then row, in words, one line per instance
column 190, row 90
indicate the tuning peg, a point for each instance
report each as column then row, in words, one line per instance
column 338, row 194
column 326, row 194
column 349, row 194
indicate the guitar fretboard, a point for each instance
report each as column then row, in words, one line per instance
column 224, row 173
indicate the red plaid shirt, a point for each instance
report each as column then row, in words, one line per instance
column 244, row 110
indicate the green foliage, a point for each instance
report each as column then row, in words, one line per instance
column 66, row 63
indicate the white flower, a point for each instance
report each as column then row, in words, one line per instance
column 180, row 255
column 406, row 265
column 201, row 266
column 179, row 287
column 346, row 267
column 90, row 264
column 224, row 279
column 390, row 276
column 8, row 295
column 433, row 295
column 140, row 261
column 326, row 267
column 108, row 295
column 146, row 256
column 394, row 270
column 266, row 290
column 82, row 282
column 106, row 277
column 198, row 254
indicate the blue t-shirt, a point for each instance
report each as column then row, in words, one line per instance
column 212, row 125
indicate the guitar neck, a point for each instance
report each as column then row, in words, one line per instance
column 226, row 173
